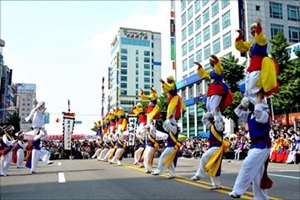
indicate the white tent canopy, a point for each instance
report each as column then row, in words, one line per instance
column 55, row 132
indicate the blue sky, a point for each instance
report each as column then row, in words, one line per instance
column 64, row 47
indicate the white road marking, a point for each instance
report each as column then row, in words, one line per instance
column 286, row 170
column 292, row 177
column 61, row 177
column 59, row 163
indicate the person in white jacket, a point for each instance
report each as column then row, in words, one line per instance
column 37, row 116
column 21, row 145
column 9, row 142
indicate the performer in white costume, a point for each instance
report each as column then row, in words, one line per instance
column 9, row 143
column 21, row 145
column 37, row 116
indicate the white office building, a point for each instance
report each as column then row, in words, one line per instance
column 135, row 63
column 206, row 27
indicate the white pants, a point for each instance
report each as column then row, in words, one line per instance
column 20, row 158
column 212, row 102
column 138, row 154
column 97, row 153
column 105, row 159
column 35, row 156
column 147, row 154
column 251, row 89
column 201, row 171
column 103, row 153
column 116, row 156
column 291, row 157
column 162, row 168
column 45, row 156
column 252, row 171
column 5, row 162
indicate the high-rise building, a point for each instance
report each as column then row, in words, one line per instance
column 135, row 64
column 6, row 91
column 208, row 27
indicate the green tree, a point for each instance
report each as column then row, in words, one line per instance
column 14, row 120
column 233, row 73
column 289, row 76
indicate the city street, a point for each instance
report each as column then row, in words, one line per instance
column 92, row 179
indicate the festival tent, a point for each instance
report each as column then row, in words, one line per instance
column 55, row 132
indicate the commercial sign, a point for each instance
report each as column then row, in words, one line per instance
column 25, row 88
column 135, row 34
column 68, row 127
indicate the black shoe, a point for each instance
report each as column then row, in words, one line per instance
column 234, row 195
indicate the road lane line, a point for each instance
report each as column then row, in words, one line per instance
column 59, row 163
column 61, row 177
column 284, row 176
column 200, row 183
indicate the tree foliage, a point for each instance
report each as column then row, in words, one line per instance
column 289, row 76
column 233, row 73
column 14, row 120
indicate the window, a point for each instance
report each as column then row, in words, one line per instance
column 257, row 8
column 198, row 39
column 199, row 56
column 146, row 53
column 146, row 60
column 275, row 28
column 206, row 52
column 190, row 12
column 205, row 2
column 146, row 66
column 123, row 65
column 191, row 61
column 205, row 16
column 293, row 13
column 276, row 10
column 146, row 80
column 197, row 6
column 123, row 57
column 183, row 4
column 191, row 44
column 216, row 46
column 184, row 49
column 136, row 79
column 137, row 65
column 184, row 65
column 226, row 20
column 123, row 71
column 147, row 86
column 198, row 22
column 123, row 51
column 215, row 8
column 123, row 85
column 183, row 95
column 206, row 34
column 226, row 40
column 199, row 88
column 136, row 72
column 294, row 34
column 146, row 73
column 191, row 28
column 215, row 27
column 183, row 19
column 183, row 34
column 136, row 52
column 191, row 92
column 225, row 3
column 123, row 92
column 123, row 78
column 137, row 59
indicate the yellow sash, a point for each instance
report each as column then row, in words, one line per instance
column 213, row 164
column 155, row 147
column 169, row 159
column 8, row 136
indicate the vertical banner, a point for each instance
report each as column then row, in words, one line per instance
column 103, row 99
column 117, row 74
column 132, row 125
column 68, row 127
column 173, row 35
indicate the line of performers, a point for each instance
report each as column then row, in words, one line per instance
column 13, row 145
column 261, row 82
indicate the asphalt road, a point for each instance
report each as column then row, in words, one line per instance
column 92, row 179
